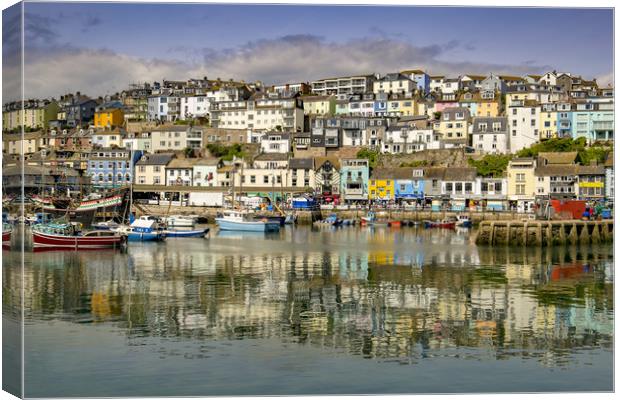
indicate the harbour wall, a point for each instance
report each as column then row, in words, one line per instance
column 307, row 217
column 544, row 233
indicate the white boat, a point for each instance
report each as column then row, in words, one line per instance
column 242, row 221
column 180, row 221
column 106, row 225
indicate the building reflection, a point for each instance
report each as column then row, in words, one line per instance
column 394, row 299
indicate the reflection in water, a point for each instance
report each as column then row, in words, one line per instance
column 382, row 294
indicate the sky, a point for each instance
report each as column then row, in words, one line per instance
column 99, row 48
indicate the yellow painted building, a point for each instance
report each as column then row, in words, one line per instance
column 548, row 124
column 488, row 108
column 109, row 117
column 319, row 105
column 522, row 183
column 381, row 185
column 402, row 107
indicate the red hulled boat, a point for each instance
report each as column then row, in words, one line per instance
column 68, row 237
column 6, row 235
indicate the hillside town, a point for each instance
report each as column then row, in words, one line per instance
column 408, row 138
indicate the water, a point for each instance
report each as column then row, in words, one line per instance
column 352, row 310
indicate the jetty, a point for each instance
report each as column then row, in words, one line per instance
column 544, row 233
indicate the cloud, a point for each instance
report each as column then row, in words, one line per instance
column 605, row 80
column 90, row 22
column 53, row 70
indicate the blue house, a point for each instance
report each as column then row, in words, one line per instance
column 409, row 184
column 593, row 121
column 421, row 79
column 112, row 167
column 354, row 174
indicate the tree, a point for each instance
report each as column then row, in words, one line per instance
column 371, row 155
column 491, row 165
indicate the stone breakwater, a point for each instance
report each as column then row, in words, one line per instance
column 544, row 233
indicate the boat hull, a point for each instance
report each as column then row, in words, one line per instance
column 40, row 239
column 272, row 218
column 441, row 225
column 6, row 239
column 186, row 234
column 180, row 223
column 248, row 226
column 145, row 236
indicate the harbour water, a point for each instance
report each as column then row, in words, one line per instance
column 350, row 310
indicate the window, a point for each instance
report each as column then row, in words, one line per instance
column 458, row 187
column 448, row 186
column 252, row 179
column 468, row 187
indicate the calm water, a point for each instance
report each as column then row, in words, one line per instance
column 315, row 311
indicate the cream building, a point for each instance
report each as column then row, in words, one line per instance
column 151, row 169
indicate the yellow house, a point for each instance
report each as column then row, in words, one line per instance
column 381, row 185
column 488, row 108
column 109, row 117
column 548, row 123
column 319, row 105
column 521, row 184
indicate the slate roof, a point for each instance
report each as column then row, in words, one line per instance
column 272, row 157
column 155, row 159
column 301, row 163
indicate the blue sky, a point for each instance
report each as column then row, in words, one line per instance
column 129, row 42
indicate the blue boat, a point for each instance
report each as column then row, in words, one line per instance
column 142, row 230
column 186, row 233
column 238, row 221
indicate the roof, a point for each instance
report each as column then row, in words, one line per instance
column 590, row 170
column 301, row 163
column 214, row 161
column 182, row 163
column 272, row 157
column 434, row 172
column 155, row 159
column 559, row 157
column 319, row 161
column 165, row 128
column 460, row 174
column 475, row 77
column 392, row 173
column 551, row 170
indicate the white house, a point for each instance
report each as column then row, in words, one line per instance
column 205, row 171
column 394, row 83
column 490, row 134
column 523, row 119
column 275, row 142
column 194, row 106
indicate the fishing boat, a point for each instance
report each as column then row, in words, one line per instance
column 6, row 234
column 371, row 220
column 143, row 230
column 180, row 221
column 332, row 220
column 241, row 221
column 68, row 236
column 463, row 221
column 178, row 233
column 106, row 225
column 445, row 224
column 278, row 219
column 290, row 219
